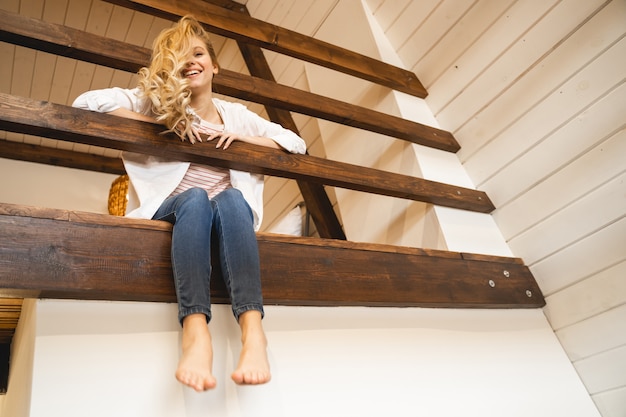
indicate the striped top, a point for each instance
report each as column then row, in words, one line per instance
column 212, row 179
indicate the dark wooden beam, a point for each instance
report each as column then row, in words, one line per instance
column 48, row 253
column 60, row 157
column 56, row 121
column 73, row 43
column 234, row 25
column 318, row 204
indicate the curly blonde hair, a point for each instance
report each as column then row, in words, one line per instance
column 162, row 82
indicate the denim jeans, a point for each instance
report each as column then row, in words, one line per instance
column 226, row 223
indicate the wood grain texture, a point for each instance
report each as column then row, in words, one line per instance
column 73, row 43
column 65, row 254
column 243, row 28
column 56, row 121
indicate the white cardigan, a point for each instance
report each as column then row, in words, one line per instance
column 152, row 179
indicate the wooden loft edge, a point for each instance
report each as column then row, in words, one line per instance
column 60, row 122
column 240, row 27
column 47, row 253
column 73, row 43
column 314, row 195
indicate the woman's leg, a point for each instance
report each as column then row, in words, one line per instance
column 239, row 260
column 191, row 214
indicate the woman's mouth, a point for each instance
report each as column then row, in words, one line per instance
column 191, row 73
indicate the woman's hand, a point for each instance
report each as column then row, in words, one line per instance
column 193, row 135
column 224, row 139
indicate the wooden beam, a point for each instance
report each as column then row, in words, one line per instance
column 56, row 121
column 318, row 204
column 47, row 253
column 73, row 43
column 234, row 25
column 60, row 157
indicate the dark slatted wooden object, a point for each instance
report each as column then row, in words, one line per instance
column 65, row 123
column 72, row 43
column 48, row 253
column 266, row 35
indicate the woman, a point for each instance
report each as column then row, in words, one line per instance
column 207, row 205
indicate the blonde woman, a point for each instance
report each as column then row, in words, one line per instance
column 208, row 206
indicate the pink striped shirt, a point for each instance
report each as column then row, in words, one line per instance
column 212, row 179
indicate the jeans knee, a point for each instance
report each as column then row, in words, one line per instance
column 232, row 201
column 195, row 196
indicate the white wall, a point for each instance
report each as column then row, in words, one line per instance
column 103, row 359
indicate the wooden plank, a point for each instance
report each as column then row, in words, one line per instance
column 580, row 176
column 598, row 334
column 566, row 102
column 314, row 195
column 563, row 62
column 242, row 28
column 72, row 43
column 66, row 123
column 607, row 203
column 603, row 372
column 94, row 256
column 493, row 42
column 587, row 298
column 593, row 126
column 610, row 402
column 583, row 258
column 60, row 157
column 453, row 41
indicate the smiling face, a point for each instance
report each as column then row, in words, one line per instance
column 199, row 68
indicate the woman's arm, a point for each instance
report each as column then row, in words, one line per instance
column 225, row 139
column 130, row 114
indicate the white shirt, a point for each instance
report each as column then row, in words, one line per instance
column 152, row 179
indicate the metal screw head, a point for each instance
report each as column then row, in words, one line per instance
column 529, row 293
column 492, row 283
column 506, row 273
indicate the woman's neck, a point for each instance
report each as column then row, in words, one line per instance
column 205, row 109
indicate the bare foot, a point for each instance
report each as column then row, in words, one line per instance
column 253, row 367
column 195, row 368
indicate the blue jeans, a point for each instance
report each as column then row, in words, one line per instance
column 226, row 224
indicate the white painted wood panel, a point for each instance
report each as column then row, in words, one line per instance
column 595, row 335
column 605, row 371
column 590, row 213
column 386, row 12
column 520, row 56
column 582, row 259
column 458, row 38
column 428, row 32
column 601, row 292
column 588, row 85
column 611, row 403
column 562, row 63
column 581, row 176
column 494, row 42
column 594, row 125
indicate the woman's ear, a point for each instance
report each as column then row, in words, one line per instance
column 216, row 69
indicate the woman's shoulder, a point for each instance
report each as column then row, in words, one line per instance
column 229, row 105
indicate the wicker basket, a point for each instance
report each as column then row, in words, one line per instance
column 118, row 196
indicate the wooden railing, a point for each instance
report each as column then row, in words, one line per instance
column 319, row 271
column 74, row 125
